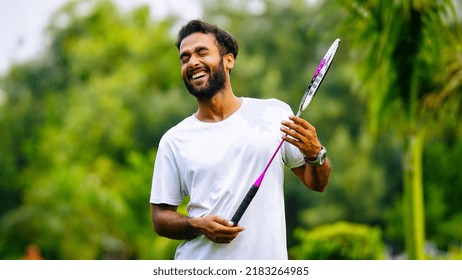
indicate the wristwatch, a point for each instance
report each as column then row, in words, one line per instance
column 319, row 159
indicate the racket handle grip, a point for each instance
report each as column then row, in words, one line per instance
column 244, row 204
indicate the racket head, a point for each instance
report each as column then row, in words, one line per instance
column 318, row 76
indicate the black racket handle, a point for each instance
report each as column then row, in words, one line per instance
column 244, row 204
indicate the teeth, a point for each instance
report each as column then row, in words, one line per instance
column 197, row 75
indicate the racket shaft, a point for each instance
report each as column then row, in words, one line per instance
column 244, row 204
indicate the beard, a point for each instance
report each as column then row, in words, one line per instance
column 215, row 83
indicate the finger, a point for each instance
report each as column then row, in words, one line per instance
column 225, row 236
column 237, row 229
column 301, row 122
column 294, row 137
column 303, row 127
column 300, row 125
column 294, row 133
column 306, row 143
column 289, row 124
column 227, row 226
column 293, row 141
column 222, row 221
column 294, row 130
column 231, row 230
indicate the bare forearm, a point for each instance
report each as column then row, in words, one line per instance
column 317, row 177
column 314, row 177
column 172, row 224
column 169, row 223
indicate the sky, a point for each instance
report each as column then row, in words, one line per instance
column 23, row 22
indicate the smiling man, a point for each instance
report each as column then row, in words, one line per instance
column 213, row 156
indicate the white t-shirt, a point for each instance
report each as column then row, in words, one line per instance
column 215, row 164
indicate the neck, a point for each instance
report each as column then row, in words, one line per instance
column 219, row 107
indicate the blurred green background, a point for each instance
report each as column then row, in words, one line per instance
column 80, row 124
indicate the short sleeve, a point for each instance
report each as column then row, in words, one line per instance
column 166, row 184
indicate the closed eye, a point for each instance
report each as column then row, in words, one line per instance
column 200, row 51
column 184, row 58
column 203, row 52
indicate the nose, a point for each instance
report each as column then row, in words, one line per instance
column 193, row 61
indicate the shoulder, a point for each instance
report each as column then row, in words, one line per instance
column 266, row 103
column 178, row 131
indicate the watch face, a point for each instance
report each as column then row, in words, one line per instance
column 322, row 159
column 319, row 159
column 322, row 155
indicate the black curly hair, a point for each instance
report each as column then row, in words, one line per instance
column 226, row 42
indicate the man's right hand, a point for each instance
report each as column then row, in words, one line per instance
column 216, row 228
column 169, row 223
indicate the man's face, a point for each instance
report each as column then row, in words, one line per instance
column 202, row 66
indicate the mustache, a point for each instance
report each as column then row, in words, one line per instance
column 191, row 71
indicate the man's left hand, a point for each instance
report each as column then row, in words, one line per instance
column 302, row 134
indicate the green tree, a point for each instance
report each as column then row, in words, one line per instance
column 87, row 116
column 79, row 125
column 409, row 41
column 339, row 241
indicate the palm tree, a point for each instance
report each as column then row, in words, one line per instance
column 410, row 67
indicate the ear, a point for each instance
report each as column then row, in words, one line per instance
column 228, row 61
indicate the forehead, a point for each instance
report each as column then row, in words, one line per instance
column 198, row 40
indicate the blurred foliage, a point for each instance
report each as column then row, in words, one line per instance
column 80, row 124
column 339, row 241
column 408, row 97
column 80, row 135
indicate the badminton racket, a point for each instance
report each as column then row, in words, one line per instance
column 310, row 91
